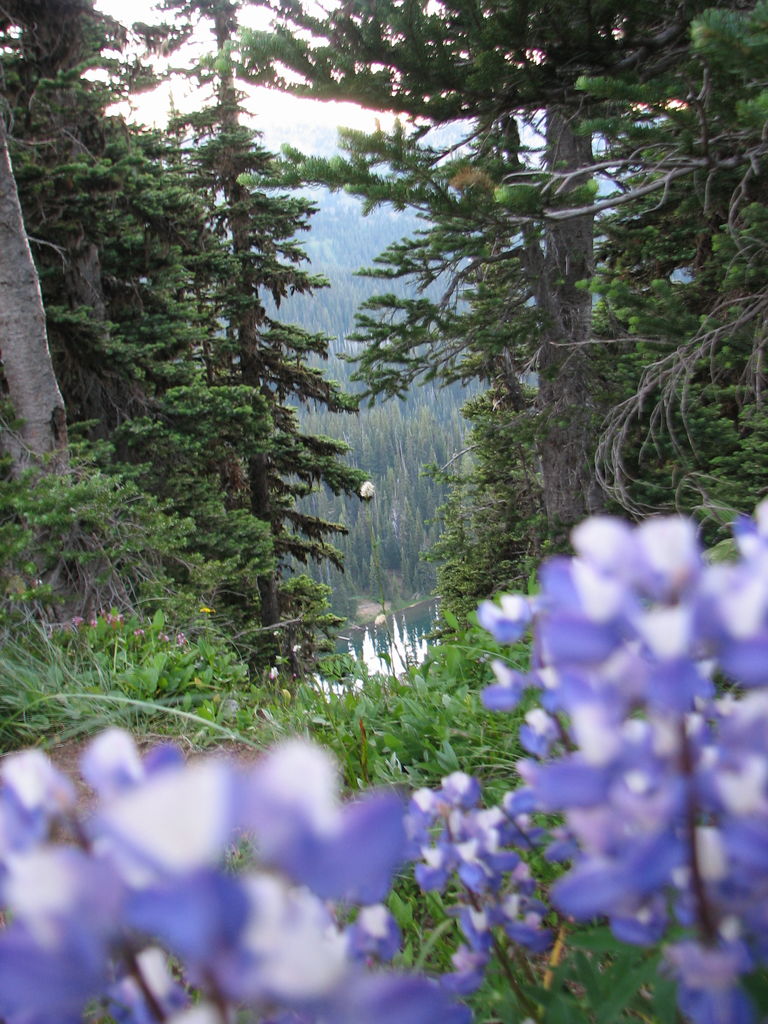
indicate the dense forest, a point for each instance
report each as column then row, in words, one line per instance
column 564, row 238
column 401, row 444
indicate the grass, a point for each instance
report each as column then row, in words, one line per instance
column 414, row 730
column 410, row 731
column 54, row 692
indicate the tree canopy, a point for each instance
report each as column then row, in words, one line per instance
column 601, row 163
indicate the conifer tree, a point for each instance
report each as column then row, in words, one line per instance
column 501, row 69
column 252, row 254
column 153, row 289
column 100, row 238
column 28, row 374
column 682, row 286
column 513, row 229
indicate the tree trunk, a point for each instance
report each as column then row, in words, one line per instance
column 248, row 327
column 565, row 397
column 29, row 377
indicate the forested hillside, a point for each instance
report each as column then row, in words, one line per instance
column 393, row 441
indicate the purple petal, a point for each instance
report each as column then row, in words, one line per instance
column 508, row 622
column 643, row 928
column 591, row 890
column 374, row 933
column 111, row 764
column 674, row 685
column 533, row 938
column 501, row 698
column 573, row 639
column 468, row 974
column 178, row 820
column 566, row 783
column 359, row 865
column 355, row 863
column 746, row 842
column 397, row 999
column 746, row 661
column 199, row 917
column 708, row 982
column 460, row 790
column 509, row 688
column 49, row 982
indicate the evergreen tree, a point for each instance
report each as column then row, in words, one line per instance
column 513, row 200
column 105, row 242
column 252, row 255
column 154, row 262
column 499, row 69
column 682, row 284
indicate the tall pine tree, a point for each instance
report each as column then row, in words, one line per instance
column 252, row 253
column 514, row 193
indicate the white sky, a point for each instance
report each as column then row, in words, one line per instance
column 270, row 109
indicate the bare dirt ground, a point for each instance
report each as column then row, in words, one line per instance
column 66, row 757
column 367, row 611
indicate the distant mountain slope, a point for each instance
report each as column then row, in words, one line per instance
column 393, row 440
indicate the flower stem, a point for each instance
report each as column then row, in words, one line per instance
column 704, row 916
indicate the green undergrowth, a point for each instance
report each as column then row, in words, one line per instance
column 415, row 729
column 153, row 678
column 73, row 681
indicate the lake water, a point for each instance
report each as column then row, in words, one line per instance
column 402, row 639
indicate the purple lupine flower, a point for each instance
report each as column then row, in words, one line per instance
column 374, row 934
column 49, row 982
column 645, row 926
column 437, row 864
column 669, row 560
column 539, row 732
column 54, row 956
column 180, row 820
column 460, row 790
column 708, row 982
column 200, row 917
column 470, row 966
column 290, row 804
column 86, row 920
column 407, row 999
column 34, row 795
column 111, row 764
column 661, row 784
column 510, row 685
column 464, row 841
column 477, row 926
column 508, row 622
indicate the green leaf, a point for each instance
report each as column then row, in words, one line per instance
column 450, row 618
column 599, row 939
